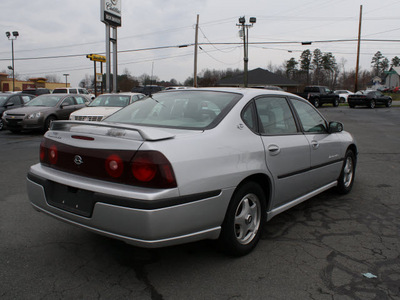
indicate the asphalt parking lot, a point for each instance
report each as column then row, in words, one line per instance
column 330, row 247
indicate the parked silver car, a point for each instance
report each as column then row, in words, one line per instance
column 191, row 164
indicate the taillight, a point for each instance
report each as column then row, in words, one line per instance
column 42, row 154
column 143, row 169
column 114, row 166
column 152, row 169
column 149, row 169
column 53, row 154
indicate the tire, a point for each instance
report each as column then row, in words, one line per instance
column 48, row 121
column 387, row 104
column 316, row 102
column 347, row 175
column 1, row 125
column 241, row 229
column 335, row 103
column 372, row 104
column 342, row 100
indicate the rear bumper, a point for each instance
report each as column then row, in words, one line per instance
column 140, row 222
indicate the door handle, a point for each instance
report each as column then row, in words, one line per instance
column 314, row 144
column 274, row 149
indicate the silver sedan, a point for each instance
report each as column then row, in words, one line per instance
column 186, row 165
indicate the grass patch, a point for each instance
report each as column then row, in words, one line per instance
column 395, row 96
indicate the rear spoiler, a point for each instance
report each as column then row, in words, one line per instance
column 111, row 129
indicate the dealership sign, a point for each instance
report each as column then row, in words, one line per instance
column 110, row 12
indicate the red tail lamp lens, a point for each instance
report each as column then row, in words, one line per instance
column 53, row 154
column 152, row 169
column 144, row 169
column 114, row 166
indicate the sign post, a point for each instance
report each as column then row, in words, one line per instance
column 101, row 59
column 110, row 14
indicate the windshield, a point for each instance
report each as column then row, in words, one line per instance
column 45, row 100
column 181, row 109
column 110, row 101
column 3, row 100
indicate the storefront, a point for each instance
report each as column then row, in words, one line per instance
column 6, row 84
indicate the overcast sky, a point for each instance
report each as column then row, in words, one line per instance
column 73, row 27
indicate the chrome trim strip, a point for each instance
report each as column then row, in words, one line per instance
column 293, row 203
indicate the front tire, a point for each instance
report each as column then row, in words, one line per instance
column 241, row 229
column 47, row 123
column 372, row 104
column 388, row 103
column 346, row 178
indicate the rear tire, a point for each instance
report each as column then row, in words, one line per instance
column 316, row 102
column 241, row 229
column 387, row 104
column 346, row 178
column 335, row 103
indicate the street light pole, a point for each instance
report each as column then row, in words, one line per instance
column 66, row 79
column 12, row 37
column 245, row 33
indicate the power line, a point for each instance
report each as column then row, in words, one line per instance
column 212, row 44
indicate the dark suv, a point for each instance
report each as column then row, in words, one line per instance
column 36, row 92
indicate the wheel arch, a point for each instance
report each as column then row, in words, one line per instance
column 264, row 181
column 353, row 148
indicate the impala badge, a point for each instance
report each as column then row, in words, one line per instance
column 78, row 160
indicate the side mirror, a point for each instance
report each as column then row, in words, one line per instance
column 64, row 105
column 335, row 127
column 9, row 104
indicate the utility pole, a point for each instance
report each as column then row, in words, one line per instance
column 195, row 53
column 66, row 79
column 245, row 34
column 358, row 51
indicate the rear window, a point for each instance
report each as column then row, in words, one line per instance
column 60, row 91
column 311, row 90
column 180, row 109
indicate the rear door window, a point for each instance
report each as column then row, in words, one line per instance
column 275, row 116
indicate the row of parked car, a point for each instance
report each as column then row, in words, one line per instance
column 22, row 111
column 369, row 98
column 319, row 95
column 27, row 112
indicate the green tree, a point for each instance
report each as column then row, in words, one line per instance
column 330, row 67
column 291, row 67
column 379, row 63
column 395, row 62
column 305, row 64
column 317, row 65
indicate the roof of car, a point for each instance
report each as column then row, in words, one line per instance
column 244, row 91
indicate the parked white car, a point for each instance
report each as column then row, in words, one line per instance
column 105, row 105
column 73, row 90
column 343, row 94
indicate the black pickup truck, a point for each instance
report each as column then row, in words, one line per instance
column 319, row 95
